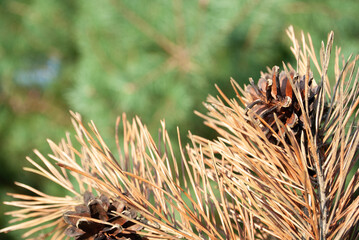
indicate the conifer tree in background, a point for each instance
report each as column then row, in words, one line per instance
column 157, row 59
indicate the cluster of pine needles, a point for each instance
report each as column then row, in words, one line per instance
column 282, row 166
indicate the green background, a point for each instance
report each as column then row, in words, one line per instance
column 158, row 59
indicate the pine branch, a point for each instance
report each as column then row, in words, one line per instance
column 278, row 169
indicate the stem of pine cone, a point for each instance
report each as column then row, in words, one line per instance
column 319, row 162
column 323, row 205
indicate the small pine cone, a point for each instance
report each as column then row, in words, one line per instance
column 95, row 220
column 274, row 95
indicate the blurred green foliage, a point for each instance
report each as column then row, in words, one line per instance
column 158, row 59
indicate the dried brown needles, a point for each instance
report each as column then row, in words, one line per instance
column 282, row 167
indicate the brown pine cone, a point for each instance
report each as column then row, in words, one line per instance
column 274, row 95
column 95, row 220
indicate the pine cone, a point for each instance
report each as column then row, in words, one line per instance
column 274, row 95
column 95, row 220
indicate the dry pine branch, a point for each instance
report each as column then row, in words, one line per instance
column 279, row 169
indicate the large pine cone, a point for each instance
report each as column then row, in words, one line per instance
column 274, row 95
column 95, row 220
